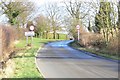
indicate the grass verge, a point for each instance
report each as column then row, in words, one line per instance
column 102, row 53
column 24, row 59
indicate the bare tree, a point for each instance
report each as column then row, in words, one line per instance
column 42, row 26
column 52, row 12
column 77, row 10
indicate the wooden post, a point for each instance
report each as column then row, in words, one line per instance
column 78, row 29
column 78, row 35
column 31, row 40
column 26, row 40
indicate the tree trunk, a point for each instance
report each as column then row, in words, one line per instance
column 46, row 34
column 58, row 36
column 104, row 34
column 54, row 35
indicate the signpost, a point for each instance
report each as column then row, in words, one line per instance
column 30, row 33
column 32, row 28
column 78, row 29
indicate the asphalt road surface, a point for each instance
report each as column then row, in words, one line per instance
column 57, row 60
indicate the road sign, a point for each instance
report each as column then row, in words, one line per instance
column 77, row 27
column 31, row 28
column 30, row 33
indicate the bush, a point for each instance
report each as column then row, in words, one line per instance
column 97, row 42
column 113, row 45
column 21, row 33
column 8, row 36
column 93, row 40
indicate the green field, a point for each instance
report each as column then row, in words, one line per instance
column 24, row 59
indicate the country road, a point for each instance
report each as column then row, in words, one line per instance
column 57, row 60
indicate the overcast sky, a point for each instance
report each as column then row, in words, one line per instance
column 41, row 4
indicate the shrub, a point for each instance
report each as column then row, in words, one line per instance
column 8, row 35
column 8, row 38
column 92, row 39
column 97, row 42
column 20, row 33
column 113, row 45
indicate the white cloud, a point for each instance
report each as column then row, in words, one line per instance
column 54, row 0
column 39, row 2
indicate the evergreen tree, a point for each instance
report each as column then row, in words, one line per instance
column 118, row 23
column 103, row 19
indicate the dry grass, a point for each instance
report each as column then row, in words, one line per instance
column 8, row 69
